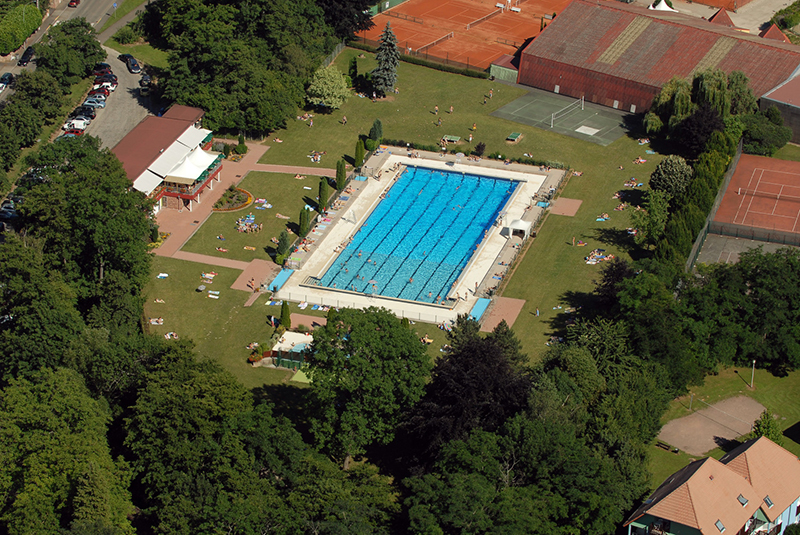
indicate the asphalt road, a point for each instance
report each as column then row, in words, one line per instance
column 124, row 107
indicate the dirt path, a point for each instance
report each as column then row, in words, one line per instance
column 707, row 429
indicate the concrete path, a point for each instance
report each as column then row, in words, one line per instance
column 308, row 171
column 211, row 260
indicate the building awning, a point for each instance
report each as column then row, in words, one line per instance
column 147, row 182
column 193, row 165
column 169, row 159
column 193, row 137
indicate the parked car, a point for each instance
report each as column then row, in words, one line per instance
column 73, row 132
column 95, row 103
column 26, row 58
column 6, row 80
column 111, row 86
column 145, row 80
column 74, row 3
column 133, row 65
column 105, row 78
column 78, row 123
column 85, row 111
column 102, row 71
column 124, row 57
column 100, row 91
column 96, row 96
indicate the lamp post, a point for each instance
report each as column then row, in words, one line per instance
column 753, row 375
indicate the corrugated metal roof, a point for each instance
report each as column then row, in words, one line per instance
column 650, row 47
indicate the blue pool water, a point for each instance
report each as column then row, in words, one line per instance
column 417, row 240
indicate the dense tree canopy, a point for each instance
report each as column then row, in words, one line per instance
column 327, row 89
column 672, row 176
column 245, row 64
column 366, row 369
column 69, row 51
column 57, row 470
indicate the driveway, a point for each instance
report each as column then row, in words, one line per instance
column 125, row 108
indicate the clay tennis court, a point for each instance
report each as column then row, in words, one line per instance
column 418, row 24
column 763, row 193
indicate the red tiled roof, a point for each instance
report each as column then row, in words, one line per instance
column 729, row 490
column 771, row 470
column 788, row 92
column 626, row 42
column 184, row 113
column 722, row 18
column 508, row 61
column 145, row 143
column 773, row 32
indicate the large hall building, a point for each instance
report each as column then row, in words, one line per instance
column 620, row 55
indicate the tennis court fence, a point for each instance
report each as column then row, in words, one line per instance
column 703, row 234
column 435, row 42
column 484, row 18
column 424, row 54
column 403, row 16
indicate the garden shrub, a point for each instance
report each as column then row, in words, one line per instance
column 126, row 35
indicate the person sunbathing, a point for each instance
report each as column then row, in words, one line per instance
column 159, row 300
column 278, row 140
column 298, row 176
column 221, row 250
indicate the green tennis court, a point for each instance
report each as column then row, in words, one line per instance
column 594, row 123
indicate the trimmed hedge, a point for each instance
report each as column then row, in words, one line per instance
column 18, row 25
column 427, row 63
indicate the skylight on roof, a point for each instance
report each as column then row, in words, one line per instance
column 768, row 501
column 742, row 500
column 719, row 525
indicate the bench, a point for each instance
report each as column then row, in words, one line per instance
column 451, row 139
column 515, row 9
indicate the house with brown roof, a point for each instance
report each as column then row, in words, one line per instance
column 752, row 490
column 164, row 158
column 620, row 55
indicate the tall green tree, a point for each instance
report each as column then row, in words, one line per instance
column 327, row 89
column 384, row 76
column 94, row 229
column 341, row 175
column 324, row 194
column 711, row 87
column 475, row 385
column 206, row 459
column 359, row 157
column 69, row 51
column 651, row 220
column 347, row 17
column 39, row 90
column 284, row 243
column 38, row 309
column 767, row 426
column 672, row 176
column 366, row 370
column 57, row 469
column 743, row 101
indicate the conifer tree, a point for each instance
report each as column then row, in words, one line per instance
column 388, row 57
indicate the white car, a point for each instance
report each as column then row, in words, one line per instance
column 112, row 86
column 94, row 103
column 79, row 123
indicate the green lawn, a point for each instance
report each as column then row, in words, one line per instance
column 287, row 197
column 220, row 328
column 407, row 115
column 123, row 8
column 145, row 53
column 789, row 152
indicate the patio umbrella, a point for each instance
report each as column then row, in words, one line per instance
column 459, row 156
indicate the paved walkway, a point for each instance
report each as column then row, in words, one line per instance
column 182, row 224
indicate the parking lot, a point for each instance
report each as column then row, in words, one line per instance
column 124, row 109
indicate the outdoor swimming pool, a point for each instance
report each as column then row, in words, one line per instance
column 419, row 238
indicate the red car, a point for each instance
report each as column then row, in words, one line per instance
column 74, row 3
column 74, row 132
column 100, row 91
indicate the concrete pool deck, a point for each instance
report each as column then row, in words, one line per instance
column 365, row 197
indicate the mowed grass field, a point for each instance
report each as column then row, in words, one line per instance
column 287, row 196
